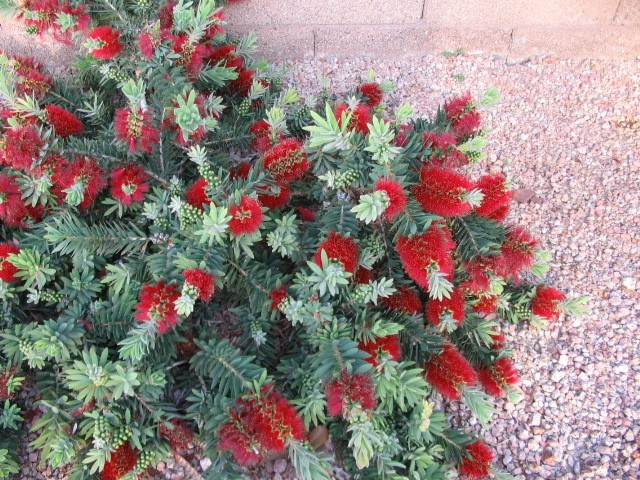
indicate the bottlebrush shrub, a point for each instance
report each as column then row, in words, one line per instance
column 190, row 252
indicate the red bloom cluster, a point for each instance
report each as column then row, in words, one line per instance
column 7, row 269
column 134, row 127
column 516, row 253
column 261, row 130
column 12, row 209
column 347, row 391
column 478, row 464
column 495, row 204
column 64, row 122
column 339, row 248
column 360, row 117
column 463, row 116
column 277, row 295
column 443, row 149
column 84, row 171
column 275, row 201
column 30, row 79
column 203, row 281
column 260, row 424
column 242, row 84
column 480, row 270
column 156, row 304
column 287, row 161
column 122, row 461
column 382, row 347
column 546, row 303
column 453, row 306
column 22, row 147
column 497, row 376
column 306, row 214
column 442, row 192
column 396, row 194
column 372, row 93
column 192, row 56
column 449, row 371
column 42, row 15
column 402, row 136
column 486, row 304
column 179, row 434
column 129, row 184
column 362, row 276
column 247, row 216
column 406, row 300
column 422, row 253
column 197, row 194
column 108, row 41
column 226, row 54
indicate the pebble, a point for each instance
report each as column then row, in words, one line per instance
column 280, row 465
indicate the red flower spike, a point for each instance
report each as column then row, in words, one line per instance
column 306, row 215
column 7, row 269
column 497, row 376
column 147, row 45
column 203, row 281
column 83, row 170
column 453, row 306
column 458, row 106
column 517, row 253
column 277, row 296
column 444, row 151
column 122, row 461
column 546, row 302
column 478, row 464
column 22, row 147
column 179, row 435
column 156, row 304
column 347, row 391
column 467, row 125
column 402, row 137
column 396, row 194
column 286, row 161
column 197, row 194
column 129, row 184
column 242, row 84
column 247, row 216
column 136, row 130
column 109, row 41
column 486, row 304
column 279, row 200
column 360, row 117
column 372, row 92
column 12, row 208
column 228, row 56
column 431, row 250
column 442, row 192
column 165, row 15
column 449, row 371
column 500, row 214
column 363, row 276
column 64, row 122
column 192, row 56
column 406, row 300
column 340, row 248
column 382, row 347
column 496, row 195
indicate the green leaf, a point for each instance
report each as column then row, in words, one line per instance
column 309, row 465
column 480, row 404
column 123, row 382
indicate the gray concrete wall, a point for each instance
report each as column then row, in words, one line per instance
column 296, row 29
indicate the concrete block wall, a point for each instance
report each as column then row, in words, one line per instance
column 294, row 29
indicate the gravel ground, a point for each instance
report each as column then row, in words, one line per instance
column 570, row 132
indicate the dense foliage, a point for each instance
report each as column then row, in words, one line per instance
column 191, row 252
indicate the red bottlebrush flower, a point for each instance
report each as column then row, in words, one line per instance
column 87, row 407
column 129, row 184
column 261, row 130
column 242, row 84
column 147, row 45
column 467, row 125
column 495, row 378
column 422, row 253
column 216, row 27
column 462, row 113
column 496, row 194
column 406, row 300
column 546, row 302
column 108, row 43
column 82, row 21
column 480, row 270
column 136, row 130
column 279, row 200
column 347, row 391
column 7, row 269
column 500, row 214
column 499, row 342
column 396, row 194
column 363, row 276
column 516, row 253
column 12, row 208
column 30, row 79
column 444, row 151
column 85, row 173
column 40, row 15
column 402, row 137
column 179, row 434
column 165, row 15
column 22, row 147
column 443, row 192
column 241, row 171
column 449, row 371
column 203, row 282
column 458, row 106
column 286, row 161
column 277, row 296
column 197, row 194
column 64, row 122
column 156, row 304
column 306, row 215
column 260, row 424
column 122, row 461
column 360, row 117
column 478, row 464
column 485, row 304
column 372, row 92
column 247, row 216
column 339, row 248
column 191, row 55
column 382, row 347
column 453, row 307
column 228, row 56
